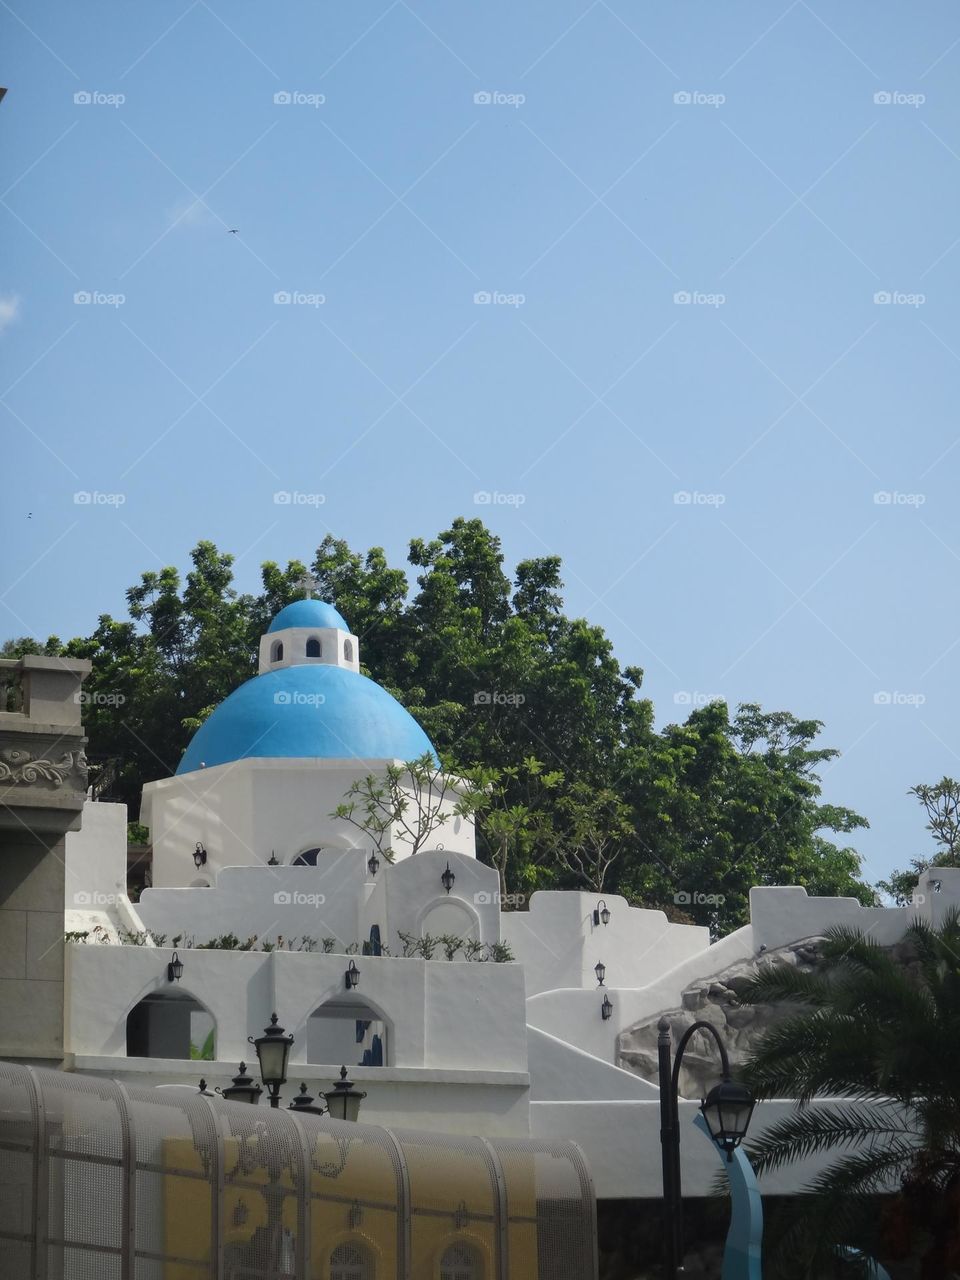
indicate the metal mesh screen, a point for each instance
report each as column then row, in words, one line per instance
column 101, row 1181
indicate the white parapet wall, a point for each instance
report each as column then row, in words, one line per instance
column 559, row 944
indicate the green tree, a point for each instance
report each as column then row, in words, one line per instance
column 884, row 1038
column 941, row 802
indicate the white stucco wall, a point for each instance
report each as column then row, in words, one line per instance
column 95, row 857
column 440, row 1014
column 559, row 945
column 247, row 810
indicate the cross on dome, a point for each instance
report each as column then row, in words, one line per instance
column 308, row 584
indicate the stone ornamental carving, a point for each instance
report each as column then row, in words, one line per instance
column 19, row 766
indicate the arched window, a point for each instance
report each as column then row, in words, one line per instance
column 348, row 650
column 170, row 1025
column 276, row 652
column 313, row 647
column 308, row 858
column 351, row 1261
column 461, row 1262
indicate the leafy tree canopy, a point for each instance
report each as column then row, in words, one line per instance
column 575, row 785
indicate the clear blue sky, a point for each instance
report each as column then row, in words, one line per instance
column 793, row 194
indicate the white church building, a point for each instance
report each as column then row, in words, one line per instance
column 550, row 1044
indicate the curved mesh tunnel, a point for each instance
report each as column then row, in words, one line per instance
column 105, row 1181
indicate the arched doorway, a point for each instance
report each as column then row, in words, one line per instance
column 350, row 1033
column 171, row 1025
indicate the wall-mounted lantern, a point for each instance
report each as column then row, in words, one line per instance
column 272, row 860
column 600, row 969
column 343, row 1100
column 606, row 1009
column 175, row 968
column 352, row 976
column 243, row 1089
column 601, row 913
column 373, row 863
column 447, row 878
column 199, row 856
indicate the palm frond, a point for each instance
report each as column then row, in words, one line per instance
column 813, row 1131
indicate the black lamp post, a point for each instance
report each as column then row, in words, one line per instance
column 343, row 1100
column 243, row 1089
column 727, row 1109
column 303, row 1104
column 273, row 1051
column 447, row 878
column 199, row 856
column 601, row 913
column 174, row 968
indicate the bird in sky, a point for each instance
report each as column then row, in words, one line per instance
column 233, row 231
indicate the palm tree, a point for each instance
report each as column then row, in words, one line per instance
column 878, row 1029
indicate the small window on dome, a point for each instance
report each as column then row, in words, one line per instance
column 313, row 647
column 348, row 650
column 276, row 653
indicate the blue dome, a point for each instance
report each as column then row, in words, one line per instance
column 308, row 613
column 314, row 710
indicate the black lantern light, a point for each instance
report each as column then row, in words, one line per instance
column 601, row 913
column 447, row 878
column 273, row 1050
column 199, row 856
column 373, row 863
column 174, row 968
column 343, row 1100
column 243, row 1089
column 600, row 969
column 352, row 976
column 303, row 1104
column 272, row 860
column 727, row 1109
column 606, row 1009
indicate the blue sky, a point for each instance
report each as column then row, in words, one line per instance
column 779, row 165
